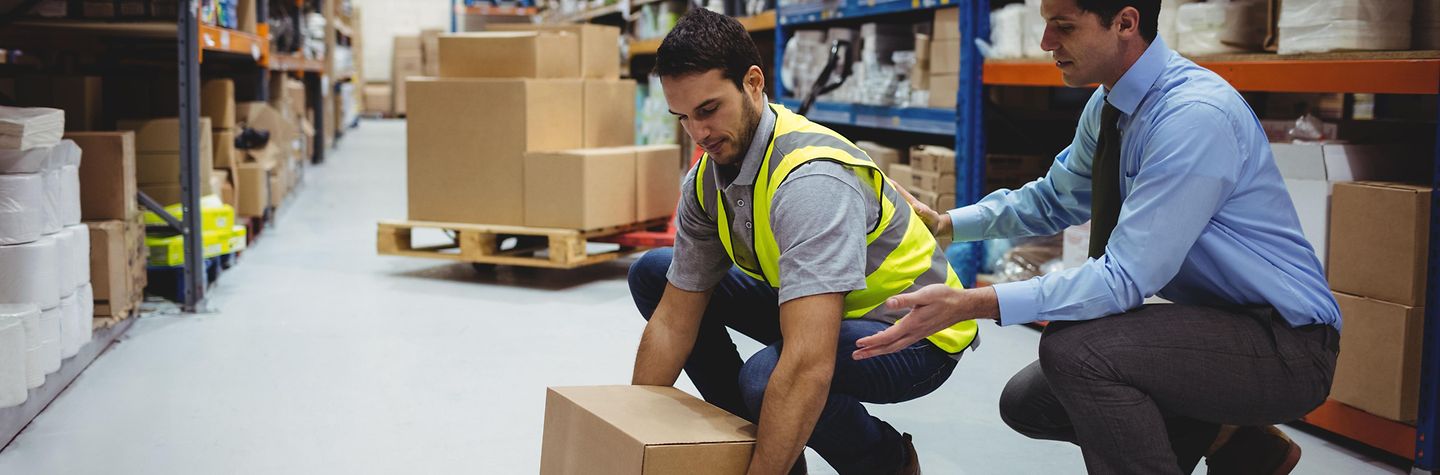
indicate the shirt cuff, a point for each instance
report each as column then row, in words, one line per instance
column 966, row 224
column 1018, row 302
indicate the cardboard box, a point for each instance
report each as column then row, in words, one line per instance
column 1378, row 370
column 159, row 168
column 609, row 113
column 220, row 180
column 430, row 51
column 252, row 193
column 928, row 197
column 245, row 15
column 945, row 57
column 657, row 181
column 224, row 148
column 599, row 44
column 947, row 24
column 1310, row 170
column 377, row 98
column 882, row 156
column 109, row 259
column 580, row 189
column 932, row 158
column 945, row 202
column 165, row 195
column 107, row 174
column 160, row 135
column 81, row 97
column 217, row 101
column 408, row 45
column 407, row 60
column 548, row 54
column 943, row 90
column 902, row 175
column 640, row 430
column 468, row 167
column 936, row 182
column 1380, row 241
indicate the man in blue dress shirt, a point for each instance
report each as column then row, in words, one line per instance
column 1173, row 169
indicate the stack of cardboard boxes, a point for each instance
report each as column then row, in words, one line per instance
column 530, row 128
column 157, row 157
column 930, row 176
column 406, row 61
column 117, row 234
column 217, row 102
column 944, row 56
column 1379, row 247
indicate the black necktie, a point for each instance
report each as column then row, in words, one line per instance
column 1105, row 182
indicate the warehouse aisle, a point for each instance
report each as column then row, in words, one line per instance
column 321, row 357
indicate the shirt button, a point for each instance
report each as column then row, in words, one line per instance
column 739, row 202
column 747, row 225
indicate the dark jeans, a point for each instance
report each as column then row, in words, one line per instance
column 1145, row 392
column 847, row 436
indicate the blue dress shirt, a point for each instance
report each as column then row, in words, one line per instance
column 1205, row 218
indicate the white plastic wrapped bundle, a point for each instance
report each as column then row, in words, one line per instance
column 1168, row 11
column 1007, row 32
column 50, row 339
column 13, row 373
column 24, row 161
column 1246, row 22
column 69, row 205
column 69, row 330
column 65, row 250
column 1034, row 30
column 79, row 253
column 54, row 195
column 22, row 200
column 85, row 298
column 1318, row 26
column 31, row 273
column 1199, row 27
column 34, row 366
column 24, row 128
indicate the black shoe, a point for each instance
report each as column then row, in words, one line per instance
column 1255, row 451
column 912, row 459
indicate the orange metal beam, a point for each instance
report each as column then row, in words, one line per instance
column 1369, row 429
column 1381, row 76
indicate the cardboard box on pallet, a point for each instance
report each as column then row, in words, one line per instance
column 117, row 265
column 1378, row 370
column 547, row 54
column 377, row 98
column 640, row 430
column 1379, row 241
column 252, row 182
column 465, row 167
column 600, row 46
column 657, row 181
column 107, row 174
column 430, row 51
column 580, row 189
column 609, row 113
column 407, row 61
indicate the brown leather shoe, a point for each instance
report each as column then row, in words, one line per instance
column 912, row 459
column 1255, row 451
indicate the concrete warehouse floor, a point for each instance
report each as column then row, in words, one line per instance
column 322, row 357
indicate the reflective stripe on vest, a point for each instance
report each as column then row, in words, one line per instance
column 901, row 254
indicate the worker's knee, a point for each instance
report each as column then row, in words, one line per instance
column 647, row 279
column 1026, row 402
column 755, row 377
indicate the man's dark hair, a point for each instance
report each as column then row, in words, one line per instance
column 704, row 40
column 1107, row 9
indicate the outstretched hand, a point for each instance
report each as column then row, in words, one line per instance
column 933, row 308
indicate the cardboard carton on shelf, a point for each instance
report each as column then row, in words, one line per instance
column 1311, row 170
column 252, row 182
column 1378, row 370
column 217, row 102
column 464, row 167
column 159, row 135
column 932, row 158
column 107, row 174
column 882, row 156
column 640, row 430
column 81, row 97
column 545, row 54
column 1379, row 241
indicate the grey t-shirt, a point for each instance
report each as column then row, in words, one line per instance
column 820, row 216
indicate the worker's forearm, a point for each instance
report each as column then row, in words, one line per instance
column 793, row 401
column 669, row 337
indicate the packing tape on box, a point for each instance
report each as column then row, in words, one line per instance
column 54, row 195
column 69, row 315
column 22, row 202
column 14, row 353
column 32, row 273
column 68, row 154
column 86, row 300
column 79, row 257
column 34, row 370
column 24, row 161
column 50, row 339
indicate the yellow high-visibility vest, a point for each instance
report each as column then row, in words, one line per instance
column 901, row 254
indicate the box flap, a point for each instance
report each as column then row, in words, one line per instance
column 660, row 415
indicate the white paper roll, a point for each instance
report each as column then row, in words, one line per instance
column 31, row 273
column 54, row 195
column 67, row 154
column 65, row 250
column 50, row 339
column 22, row 203
column 34, row 367
column 80, row 255
column 24, row 161
column 85, row 298
column 14, row 354
column 69, row 326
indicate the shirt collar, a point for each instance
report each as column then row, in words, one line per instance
column 750, row 166
column 1136, row 81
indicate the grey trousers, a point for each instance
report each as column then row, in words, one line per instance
column 1145, row 392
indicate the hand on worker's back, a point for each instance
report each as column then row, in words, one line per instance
column 937, row 222
column 933, row 308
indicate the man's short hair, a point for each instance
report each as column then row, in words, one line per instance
column 1107, row 9
column 703, row 41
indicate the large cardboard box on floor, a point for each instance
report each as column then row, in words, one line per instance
column 600, row 46
column 107, row 174
column 1378, row 370
column 546, row 54
column 640, row 430
column 609, row 113
column 469, row 167
column 377, row 98
column 1379, row 241
column 657, row 181
column 1311, row 170
column 580, row 189
column 117, row 265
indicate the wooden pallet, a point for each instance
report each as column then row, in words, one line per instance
column 482, row 243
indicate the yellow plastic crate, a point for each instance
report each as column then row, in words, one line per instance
column 214, row 215
column 170, row 251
